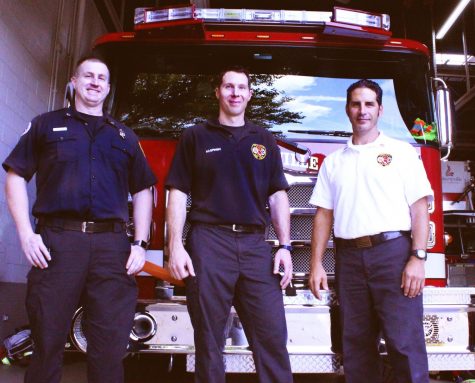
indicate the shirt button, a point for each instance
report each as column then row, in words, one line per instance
column 85, row 123
column 93, row 157
column 93, row 177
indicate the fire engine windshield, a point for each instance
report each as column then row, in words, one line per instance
column 301, row 100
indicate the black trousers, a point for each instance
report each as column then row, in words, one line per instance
column 372, row 304
column 91, row 265
column 235, row 268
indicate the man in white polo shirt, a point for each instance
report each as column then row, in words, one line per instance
column 374, row 192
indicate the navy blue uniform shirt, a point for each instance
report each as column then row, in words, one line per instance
column 81, row 173
column 230, row 177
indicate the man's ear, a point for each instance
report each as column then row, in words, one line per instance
column 380, row 113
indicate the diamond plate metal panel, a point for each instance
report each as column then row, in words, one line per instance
column 448, row 295
column 451, row 362
column 244, row 363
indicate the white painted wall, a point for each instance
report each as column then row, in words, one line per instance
column 31, row 33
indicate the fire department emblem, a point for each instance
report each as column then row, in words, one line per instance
column 385, row 159
column 258, row 151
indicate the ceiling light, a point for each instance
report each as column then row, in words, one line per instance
column 451, row 20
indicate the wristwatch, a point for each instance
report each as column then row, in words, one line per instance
column 286, row 247
column 419, row 254
column 141, row 243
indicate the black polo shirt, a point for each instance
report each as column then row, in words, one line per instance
column 230, row 177
column 81, row 173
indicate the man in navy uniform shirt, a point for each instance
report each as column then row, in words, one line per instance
column 85, row 163
column 232, row 168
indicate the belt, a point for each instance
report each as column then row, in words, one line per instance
column 83, row 226
column 236, row 228
column 370, row 240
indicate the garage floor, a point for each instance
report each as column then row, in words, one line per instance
column 153, row 368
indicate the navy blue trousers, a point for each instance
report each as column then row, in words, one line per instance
column 233, row 268
column 92, row 265
column 372, row 304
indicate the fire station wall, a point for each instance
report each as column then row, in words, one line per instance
column 37, row 49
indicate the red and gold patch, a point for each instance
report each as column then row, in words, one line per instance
column 258, row 151
column 384, row 159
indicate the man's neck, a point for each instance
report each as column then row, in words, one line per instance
column 92, row 110
column 363, row 139
column 231, row 120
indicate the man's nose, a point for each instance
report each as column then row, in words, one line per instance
column 94, row 80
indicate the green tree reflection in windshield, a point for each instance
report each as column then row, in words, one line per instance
column 169, row 103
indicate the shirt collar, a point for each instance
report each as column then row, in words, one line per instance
column 379, row 142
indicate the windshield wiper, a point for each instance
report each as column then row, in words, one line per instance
column 333, row 133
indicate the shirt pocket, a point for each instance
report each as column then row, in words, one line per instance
column 121, row 153
column 61, row 147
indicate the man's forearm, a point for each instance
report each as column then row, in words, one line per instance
column 322, row 226
column 280, row 215
column 142, row 202
column 176, row 216
column 17, row 201
column 419, row 224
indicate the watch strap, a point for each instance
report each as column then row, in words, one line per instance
column 286, row 247
column 140, row 243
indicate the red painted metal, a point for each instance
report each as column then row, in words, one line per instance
column 159, row 155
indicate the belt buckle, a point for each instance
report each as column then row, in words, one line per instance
column 235, row 229
column 84, row 226
column 363, row 242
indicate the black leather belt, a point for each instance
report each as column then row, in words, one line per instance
column 83, row 226
column 370, row 240
column 236, row 228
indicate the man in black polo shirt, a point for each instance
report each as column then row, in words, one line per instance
column 85, row 163
column 233, row 170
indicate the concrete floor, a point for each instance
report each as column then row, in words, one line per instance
column 153, row 368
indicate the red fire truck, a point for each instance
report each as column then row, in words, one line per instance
column 301, row 64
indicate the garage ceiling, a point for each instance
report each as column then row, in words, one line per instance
column 413, row 19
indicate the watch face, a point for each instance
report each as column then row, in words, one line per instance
column 421, row 254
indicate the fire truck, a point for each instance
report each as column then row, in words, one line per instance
column 301, row 63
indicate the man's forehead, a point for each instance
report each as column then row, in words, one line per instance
column 235, row 77
column 93, row 66
column 363, row 92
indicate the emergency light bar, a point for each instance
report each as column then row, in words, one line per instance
column 339, row 15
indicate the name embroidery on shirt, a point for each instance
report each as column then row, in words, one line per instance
column 258, row 151
column 384, row 159
column 213, row 150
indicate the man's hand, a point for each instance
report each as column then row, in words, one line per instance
column 35, row 250
column 317, row 279
column 136, row 260
column 283, row 257
column 413, row 277
column 179, row 263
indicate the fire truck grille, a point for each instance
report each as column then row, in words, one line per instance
column 299, row 196
column 300, row 228
column 301, row 260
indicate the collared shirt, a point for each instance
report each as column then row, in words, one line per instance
column 81, row 173
column 230, row 179
column 371, row 187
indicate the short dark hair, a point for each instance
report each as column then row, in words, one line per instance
column 89, row 57
column 365, row 83
column 232, row 68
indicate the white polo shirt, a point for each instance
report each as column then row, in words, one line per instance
column 371, row 187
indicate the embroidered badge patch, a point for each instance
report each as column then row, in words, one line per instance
column 385, row 159
column 258, row 151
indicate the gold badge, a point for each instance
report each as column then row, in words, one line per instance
column 258, row 151
column 385, row 159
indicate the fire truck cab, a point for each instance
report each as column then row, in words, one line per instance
column 301, row 63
